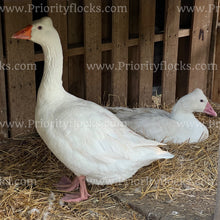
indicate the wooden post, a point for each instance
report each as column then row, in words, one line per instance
column 60, row 23
column 120, row 24
column 172, row 20
column 200, row 45
column 146, row 48
column 217, row 207
column 21, row 83
column 3, row 105
column 93, row 55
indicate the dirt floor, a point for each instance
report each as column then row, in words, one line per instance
column 181, row 188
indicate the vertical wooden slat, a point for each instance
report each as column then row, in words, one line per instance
column 200, row 45
column 3, row 106
column 172, row 20
column 146, row 47
column 120, row 24
column 93, row 56
column 60, row 23
column 21, row 83
column 212, row 54
column 216, row 86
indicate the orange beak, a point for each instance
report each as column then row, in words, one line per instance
column 24, row 33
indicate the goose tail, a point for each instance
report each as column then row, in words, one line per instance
column 166, row 155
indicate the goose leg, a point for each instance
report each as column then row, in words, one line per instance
column 79, row 196
column 66, row 185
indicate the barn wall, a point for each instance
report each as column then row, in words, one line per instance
column 151, row 31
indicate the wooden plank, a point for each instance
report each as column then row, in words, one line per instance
column 210, row 79
column 184, row 33
column 172, row 20
column 146, row 47
column 3, row 105
column 92, row 42
column 216, row 86
column 200, row 45
column 120, row 24
column 60, row 23
column 21, row 83
column 108, row 46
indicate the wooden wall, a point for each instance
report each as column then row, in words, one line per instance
column 106, row 38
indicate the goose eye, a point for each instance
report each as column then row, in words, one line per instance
column 201, row 100
column 39, row 27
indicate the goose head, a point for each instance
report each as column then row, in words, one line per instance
column 195, row 101
column 40, row 31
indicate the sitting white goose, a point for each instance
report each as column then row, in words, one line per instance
column 91, row 141
column 176, row 127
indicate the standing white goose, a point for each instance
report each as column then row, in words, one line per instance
column 177, row 127
column 91, row 141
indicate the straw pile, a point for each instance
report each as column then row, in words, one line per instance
column 29, row 171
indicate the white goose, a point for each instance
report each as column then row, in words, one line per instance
column 177, row 127
column 91, row 141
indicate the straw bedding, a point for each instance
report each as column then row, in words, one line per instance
column 29, row 171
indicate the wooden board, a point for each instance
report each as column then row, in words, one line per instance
column 120, row 54
column 172, row 20
column 216, row 86
column 3, row 105
column 146, row 47
column 93, row 56
column 212, row 55
column 200, row 45
column 60, row 23
column 21, row 83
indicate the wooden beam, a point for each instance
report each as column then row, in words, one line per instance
column 93, row 56
column 170, row 51
column 146, row 47
column 60, row 23
column 200, row 45
column 3, row 105
column 21, row 83
column 120, row 24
